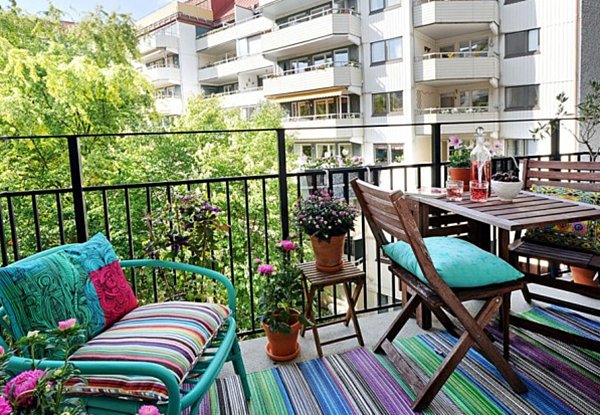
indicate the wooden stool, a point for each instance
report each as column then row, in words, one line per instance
column 318, row 280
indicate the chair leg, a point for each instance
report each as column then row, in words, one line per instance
column 398, row 323
column 460, row 349
column 526, row 294
column 238, row 366
column 505, row 324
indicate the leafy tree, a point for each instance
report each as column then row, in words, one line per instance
column 65, row 79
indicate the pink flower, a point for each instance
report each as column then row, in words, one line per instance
column 292, row 235
column 497, row 144
column 265, row 269
column 67, row 324
column 257, row 260
column 5, row 408
column 455, row 141
column 287, row 246
column 22, row 386
column 1, row 354
column 149, row 410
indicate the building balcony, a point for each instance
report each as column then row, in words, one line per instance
column 321, row 31
column 327, row 126
column 313, row 78
column 165, row 76
column 241, row 98
column 452, row 67
column 169, row 106
column 229, row 68
column 456, row 115
column 158, row 42
column 447, row 18
column 226, row 36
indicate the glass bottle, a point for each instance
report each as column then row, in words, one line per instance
column 481, row 159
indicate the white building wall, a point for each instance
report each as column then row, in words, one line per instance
column 188, row 61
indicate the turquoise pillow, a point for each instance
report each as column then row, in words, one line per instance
column 459, row 263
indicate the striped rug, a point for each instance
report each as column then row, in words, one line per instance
column 561, row 379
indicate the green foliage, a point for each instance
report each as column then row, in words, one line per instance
column 185, row 231
column 588, row 114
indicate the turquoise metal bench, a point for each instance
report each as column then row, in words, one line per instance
column 223, row 348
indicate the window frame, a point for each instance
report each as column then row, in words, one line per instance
column 388, row 103
column 385, row 6
column 386, row 51
column 507, row 2
column 525, row 107
column 526, row 51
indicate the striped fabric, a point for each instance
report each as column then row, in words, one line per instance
column 173, row 335
column 561, row 379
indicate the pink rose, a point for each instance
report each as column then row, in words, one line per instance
column 287, row 246
column 265, row 269
column 5, row 408
column 149, row 410
column 21, row 387
column 67, row 324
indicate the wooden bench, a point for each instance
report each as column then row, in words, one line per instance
column 578, row 175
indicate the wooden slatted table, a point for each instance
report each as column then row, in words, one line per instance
column 318, row 280
column 528, row 210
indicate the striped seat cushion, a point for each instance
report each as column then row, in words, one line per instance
column 173, row 335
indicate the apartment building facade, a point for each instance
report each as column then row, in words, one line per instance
column 346, row 63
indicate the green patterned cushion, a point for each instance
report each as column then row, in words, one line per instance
column 39, row 293
column 581, row 236
column 459, row 263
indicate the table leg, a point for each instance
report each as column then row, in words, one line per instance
column 357, row 290
column 308, row 313
column 503, row 242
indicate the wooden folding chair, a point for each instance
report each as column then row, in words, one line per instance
column 389, row 212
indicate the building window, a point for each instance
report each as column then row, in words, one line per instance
column 386, row 50
column 447, row 100
column 389, row 153
column 474, row 98
column 387, row 103
column 522, row 43
column 378, row 5
column 524, row 97
column 512, row 1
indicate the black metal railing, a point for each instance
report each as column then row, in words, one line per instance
column 256, row 209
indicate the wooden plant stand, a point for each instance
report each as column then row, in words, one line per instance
column 318, row 280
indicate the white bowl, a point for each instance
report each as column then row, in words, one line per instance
column 506, row 191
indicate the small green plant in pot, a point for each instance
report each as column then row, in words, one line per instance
column 327, row 219
column 280, row 301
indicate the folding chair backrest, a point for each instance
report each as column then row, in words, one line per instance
column 387, row 211
column 581, row 175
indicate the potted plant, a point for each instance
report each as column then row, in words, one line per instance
column 327, row 219
column 459, row 162
column 279, row 301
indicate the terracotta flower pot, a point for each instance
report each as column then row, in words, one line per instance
column 282, row 347
column 584, row 276
column 460, row 173
column 329, row 255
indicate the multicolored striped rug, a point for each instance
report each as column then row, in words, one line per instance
column 561, row 379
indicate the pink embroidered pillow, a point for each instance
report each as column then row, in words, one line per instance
column 100, row 261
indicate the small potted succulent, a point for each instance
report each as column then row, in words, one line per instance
column 280, row 299
column 506, row 185
column 327, row 219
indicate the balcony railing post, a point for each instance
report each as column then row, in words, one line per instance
column 436, row 155
column 555, row 139
column 283, row 187
column 77, row 187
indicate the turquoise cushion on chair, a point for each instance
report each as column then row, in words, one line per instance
column 460, row 263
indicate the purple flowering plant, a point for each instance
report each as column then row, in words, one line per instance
column 324, row 215
column 186, row 230
column 280, row 288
